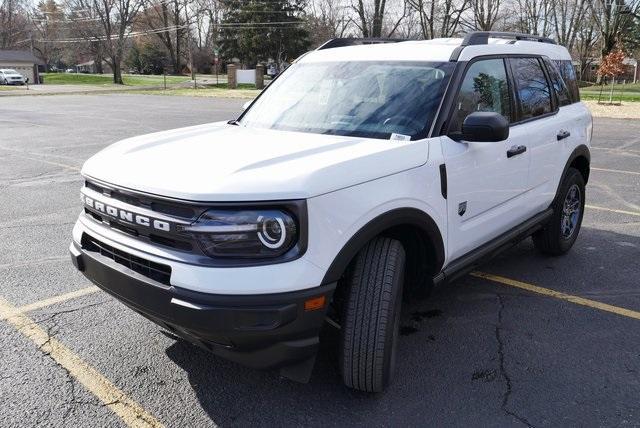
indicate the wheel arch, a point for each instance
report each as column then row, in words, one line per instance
column 579, row 159
column 414, row 228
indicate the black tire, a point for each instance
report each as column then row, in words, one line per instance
column 554, row 238
column 371, row 318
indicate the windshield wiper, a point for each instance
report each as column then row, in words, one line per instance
column 233, row 122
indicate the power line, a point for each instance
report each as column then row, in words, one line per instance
column 159, row 31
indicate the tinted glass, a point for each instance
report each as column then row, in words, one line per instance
column 568, row 73
column 558, row 84
column 533, row 89
column 363, row 99
column 484, row 88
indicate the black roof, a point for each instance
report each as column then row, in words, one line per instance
column 19, row 56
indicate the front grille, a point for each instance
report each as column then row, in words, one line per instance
column 168, row 208
column 181, row 212
column 152, row 270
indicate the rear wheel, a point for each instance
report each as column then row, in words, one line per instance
column 371, row 318
column 559, row 235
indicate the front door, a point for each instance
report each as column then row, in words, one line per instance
column 486, row 181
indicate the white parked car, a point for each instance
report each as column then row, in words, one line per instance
column 9, row 76
column 367, row 170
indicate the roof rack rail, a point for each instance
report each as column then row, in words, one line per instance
column 354, row 41
column 482, row 38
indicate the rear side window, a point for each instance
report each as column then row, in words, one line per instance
column 568, row 73
column 484, row 88
column 558, row 84
column 532, row 87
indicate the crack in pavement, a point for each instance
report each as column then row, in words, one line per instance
column 503, row 372
column 51, row 330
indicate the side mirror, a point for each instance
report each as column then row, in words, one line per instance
column 246, row 105
column 485, row 126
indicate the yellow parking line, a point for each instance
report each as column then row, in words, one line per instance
column 593, row 207
column 131, row 413
column 57, row 299
column 619, row 171
column 558, row 295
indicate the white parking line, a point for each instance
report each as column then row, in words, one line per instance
column 621, row 151
column 616, row 171
column 593, row 207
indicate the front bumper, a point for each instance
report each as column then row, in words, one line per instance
column 261, row 331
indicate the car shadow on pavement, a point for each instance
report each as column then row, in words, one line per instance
column 448, row 349
column 234, row 395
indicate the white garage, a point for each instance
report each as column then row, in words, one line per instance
column 24, row 62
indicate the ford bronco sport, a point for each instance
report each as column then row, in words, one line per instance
column 368, row 170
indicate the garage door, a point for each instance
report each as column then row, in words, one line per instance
column 25, row 70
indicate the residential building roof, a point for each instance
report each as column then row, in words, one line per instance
column 19, row 56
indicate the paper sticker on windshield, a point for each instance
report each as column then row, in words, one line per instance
column 400, row 137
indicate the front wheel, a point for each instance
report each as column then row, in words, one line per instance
column 371, row 317
column 559, row 235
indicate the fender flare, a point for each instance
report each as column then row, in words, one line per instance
column 395, row 217
column 581, row 150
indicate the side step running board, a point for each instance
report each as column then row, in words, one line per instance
column 465, row 264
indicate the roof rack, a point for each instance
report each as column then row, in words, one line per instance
column 482, row 38
column 353, row 41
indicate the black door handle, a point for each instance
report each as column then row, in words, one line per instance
column 516, row 150
column 563, row 134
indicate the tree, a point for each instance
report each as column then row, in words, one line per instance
column 47, row 19
column 258, row 31
column 14, row 24
column 327, row 19
column 612, row 17
column 485, row 15
column 371, row 17
column 439, row 18
column 585, row 44
column 165, row 20
column 146, row 58
column 612, row 64
column 106, row 24
column 568, row 16
column 533, row 16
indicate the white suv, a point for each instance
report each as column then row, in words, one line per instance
column 368, row 170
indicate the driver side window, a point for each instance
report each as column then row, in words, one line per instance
column 484, row 88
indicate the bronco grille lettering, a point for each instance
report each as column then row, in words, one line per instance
column 128, row 216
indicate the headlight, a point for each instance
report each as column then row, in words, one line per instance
column 244, row 234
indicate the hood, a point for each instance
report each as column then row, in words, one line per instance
column 221, row 162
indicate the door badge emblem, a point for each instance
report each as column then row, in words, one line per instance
column 462, row 208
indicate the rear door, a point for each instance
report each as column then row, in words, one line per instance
column 485, row 184
column 541, row 127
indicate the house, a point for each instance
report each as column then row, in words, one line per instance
column 90, row 67
column 24, row 62
column 631, row 71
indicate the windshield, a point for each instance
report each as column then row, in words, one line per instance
column 9, row 71
column 364, row 99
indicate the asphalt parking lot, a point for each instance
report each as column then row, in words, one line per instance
column 502, row 348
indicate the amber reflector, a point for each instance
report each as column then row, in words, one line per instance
column 314, row 304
